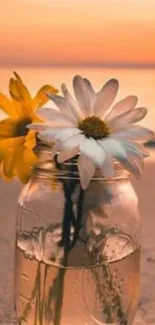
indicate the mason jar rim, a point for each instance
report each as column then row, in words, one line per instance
column 46, row 167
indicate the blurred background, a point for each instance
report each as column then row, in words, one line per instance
column 49, row 41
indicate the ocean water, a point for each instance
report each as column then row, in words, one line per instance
column 139, row 82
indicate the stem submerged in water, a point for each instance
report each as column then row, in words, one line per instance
column 68, row 221
column 59, row 299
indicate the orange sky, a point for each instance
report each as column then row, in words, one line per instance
column 44, row 32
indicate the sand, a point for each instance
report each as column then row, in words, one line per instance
column 145, row 189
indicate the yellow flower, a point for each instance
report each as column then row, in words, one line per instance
column 16, row 140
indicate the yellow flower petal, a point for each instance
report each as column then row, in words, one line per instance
column 16, row 159
column 9, row 158
column 6, row 105
column 36, row 119
column 7, row 128
column 21, row 110
column 41, row 98
column 19, row 92
column 30, row 140
column 13, row 88
column 25, row 159
column 16, row 153
column 5, row 144
column 17, row 76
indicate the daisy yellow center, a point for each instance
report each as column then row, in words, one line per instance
column 94, row 127
column 21, row 127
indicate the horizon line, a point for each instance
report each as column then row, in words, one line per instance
column 128, row 65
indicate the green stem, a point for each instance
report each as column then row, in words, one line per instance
column 79, row 218
column 60, row 293
column 43, row 298
column 39, row 303
column 68, row 212
column 68, row 220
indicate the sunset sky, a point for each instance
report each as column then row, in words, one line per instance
column 46, row 32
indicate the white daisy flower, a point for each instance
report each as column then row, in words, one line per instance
column 102, row 133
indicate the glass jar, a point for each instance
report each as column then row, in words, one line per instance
column 77, row 252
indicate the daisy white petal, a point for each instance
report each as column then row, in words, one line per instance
column 132, row 165
column 73, row 142
column 90, row 89
column 133, row 149
column 91, row 93
column 73, row 106
column 60, row 134
column 86, row 170
column 90, row 148
column 60, row 102
column 139, row 163
column 140, row 147
column 135, row 158
column 55, row 148
column 113, row 147
column 65, row 133
column 105, row 97
column 67, row 154
column 51, row 114
column 82, row 95
column 59, row 126
column 107, row 169
column 38, row 126
column 124, row 153
column 46, row 135
column 125, row 105
column 132, row 116
column 133, row 133
column 42, row 127
column 63, row 104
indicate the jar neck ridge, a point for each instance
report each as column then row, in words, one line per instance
column 49, row 167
